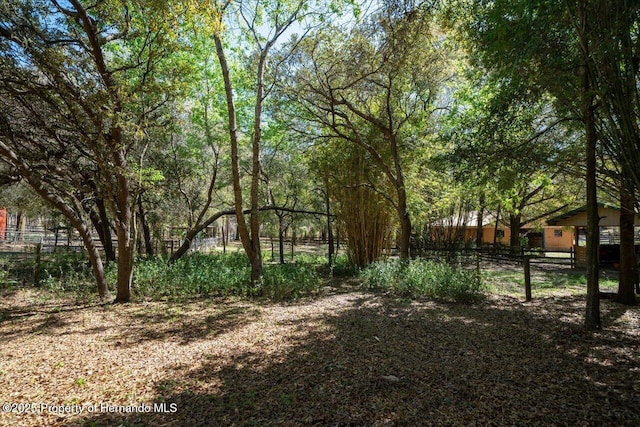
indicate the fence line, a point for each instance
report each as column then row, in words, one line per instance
column 504, row 254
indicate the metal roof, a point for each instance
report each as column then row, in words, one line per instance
column 560, row 218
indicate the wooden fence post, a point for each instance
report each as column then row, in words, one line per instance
column 527, row 278
column 36, row 267
column 572, row 255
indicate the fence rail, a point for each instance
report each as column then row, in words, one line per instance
column 49, row 239
column 504, row 255
column 524, row 258
column 535, row 256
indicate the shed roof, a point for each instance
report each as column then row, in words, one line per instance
column 468, row 219
column 609, row 217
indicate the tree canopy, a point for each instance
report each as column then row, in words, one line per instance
column 146, row 121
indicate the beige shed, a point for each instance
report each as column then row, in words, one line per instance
column 609, row 232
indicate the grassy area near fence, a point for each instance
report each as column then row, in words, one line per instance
column 544, row 282
column 218, row 274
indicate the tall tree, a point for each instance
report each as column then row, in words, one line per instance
column 513, row 145
column 283, row 172
column 374, row 87
column 73, row 71
column 193, row 157
column 263, row 24
column 614, row 68
column 543, row 46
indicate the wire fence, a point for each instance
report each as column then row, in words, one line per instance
column 50, row 240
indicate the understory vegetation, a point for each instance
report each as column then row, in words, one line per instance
column 220, row 275
column 195, row 275
column 206, row 275
column 424, row 278
column 63, row 271
column 215, row 274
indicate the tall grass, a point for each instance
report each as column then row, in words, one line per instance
column 424, row 278
column 206, row 275
column 192, row 275
column 290, row 281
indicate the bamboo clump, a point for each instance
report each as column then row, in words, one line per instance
column 364, row 214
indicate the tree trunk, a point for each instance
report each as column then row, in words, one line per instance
column 330, row 254
column 107, row 243
column 592, row 311
column 77, row 222
column 193, row 232
column 495, row 231
column 405, row 222
column 405, row 236
column 146, row 230
column 186, row 244
column 401, row 190
column 96, row 263
column 100, row 222
column 479, row 222
column 273, row 249
column 225, row 235
column 92, row 251
column 17, row 228
column 249, row 246
column 293, row 243
column 256, row 259
column 592, row 314
column 125, row 262
column 627, row 248
column 515, row 224
column 281, row 238
column 123, row 213
column 97, row 225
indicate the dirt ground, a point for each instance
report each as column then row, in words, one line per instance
column 344, row 358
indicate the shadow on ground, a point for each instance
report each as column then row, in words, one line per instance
column 383, row 361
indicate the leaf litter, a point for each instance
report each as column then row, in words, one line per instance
column 344, row 358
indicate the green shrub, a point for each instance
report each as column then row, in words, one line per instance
column 221, row 275
column 192, row 275
column 59, row 271
column 79, row 282
column 310, row 259
column 5, row 278
column 424, row 278
column 65, row 272
column 342, row 268
column 290, row 281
